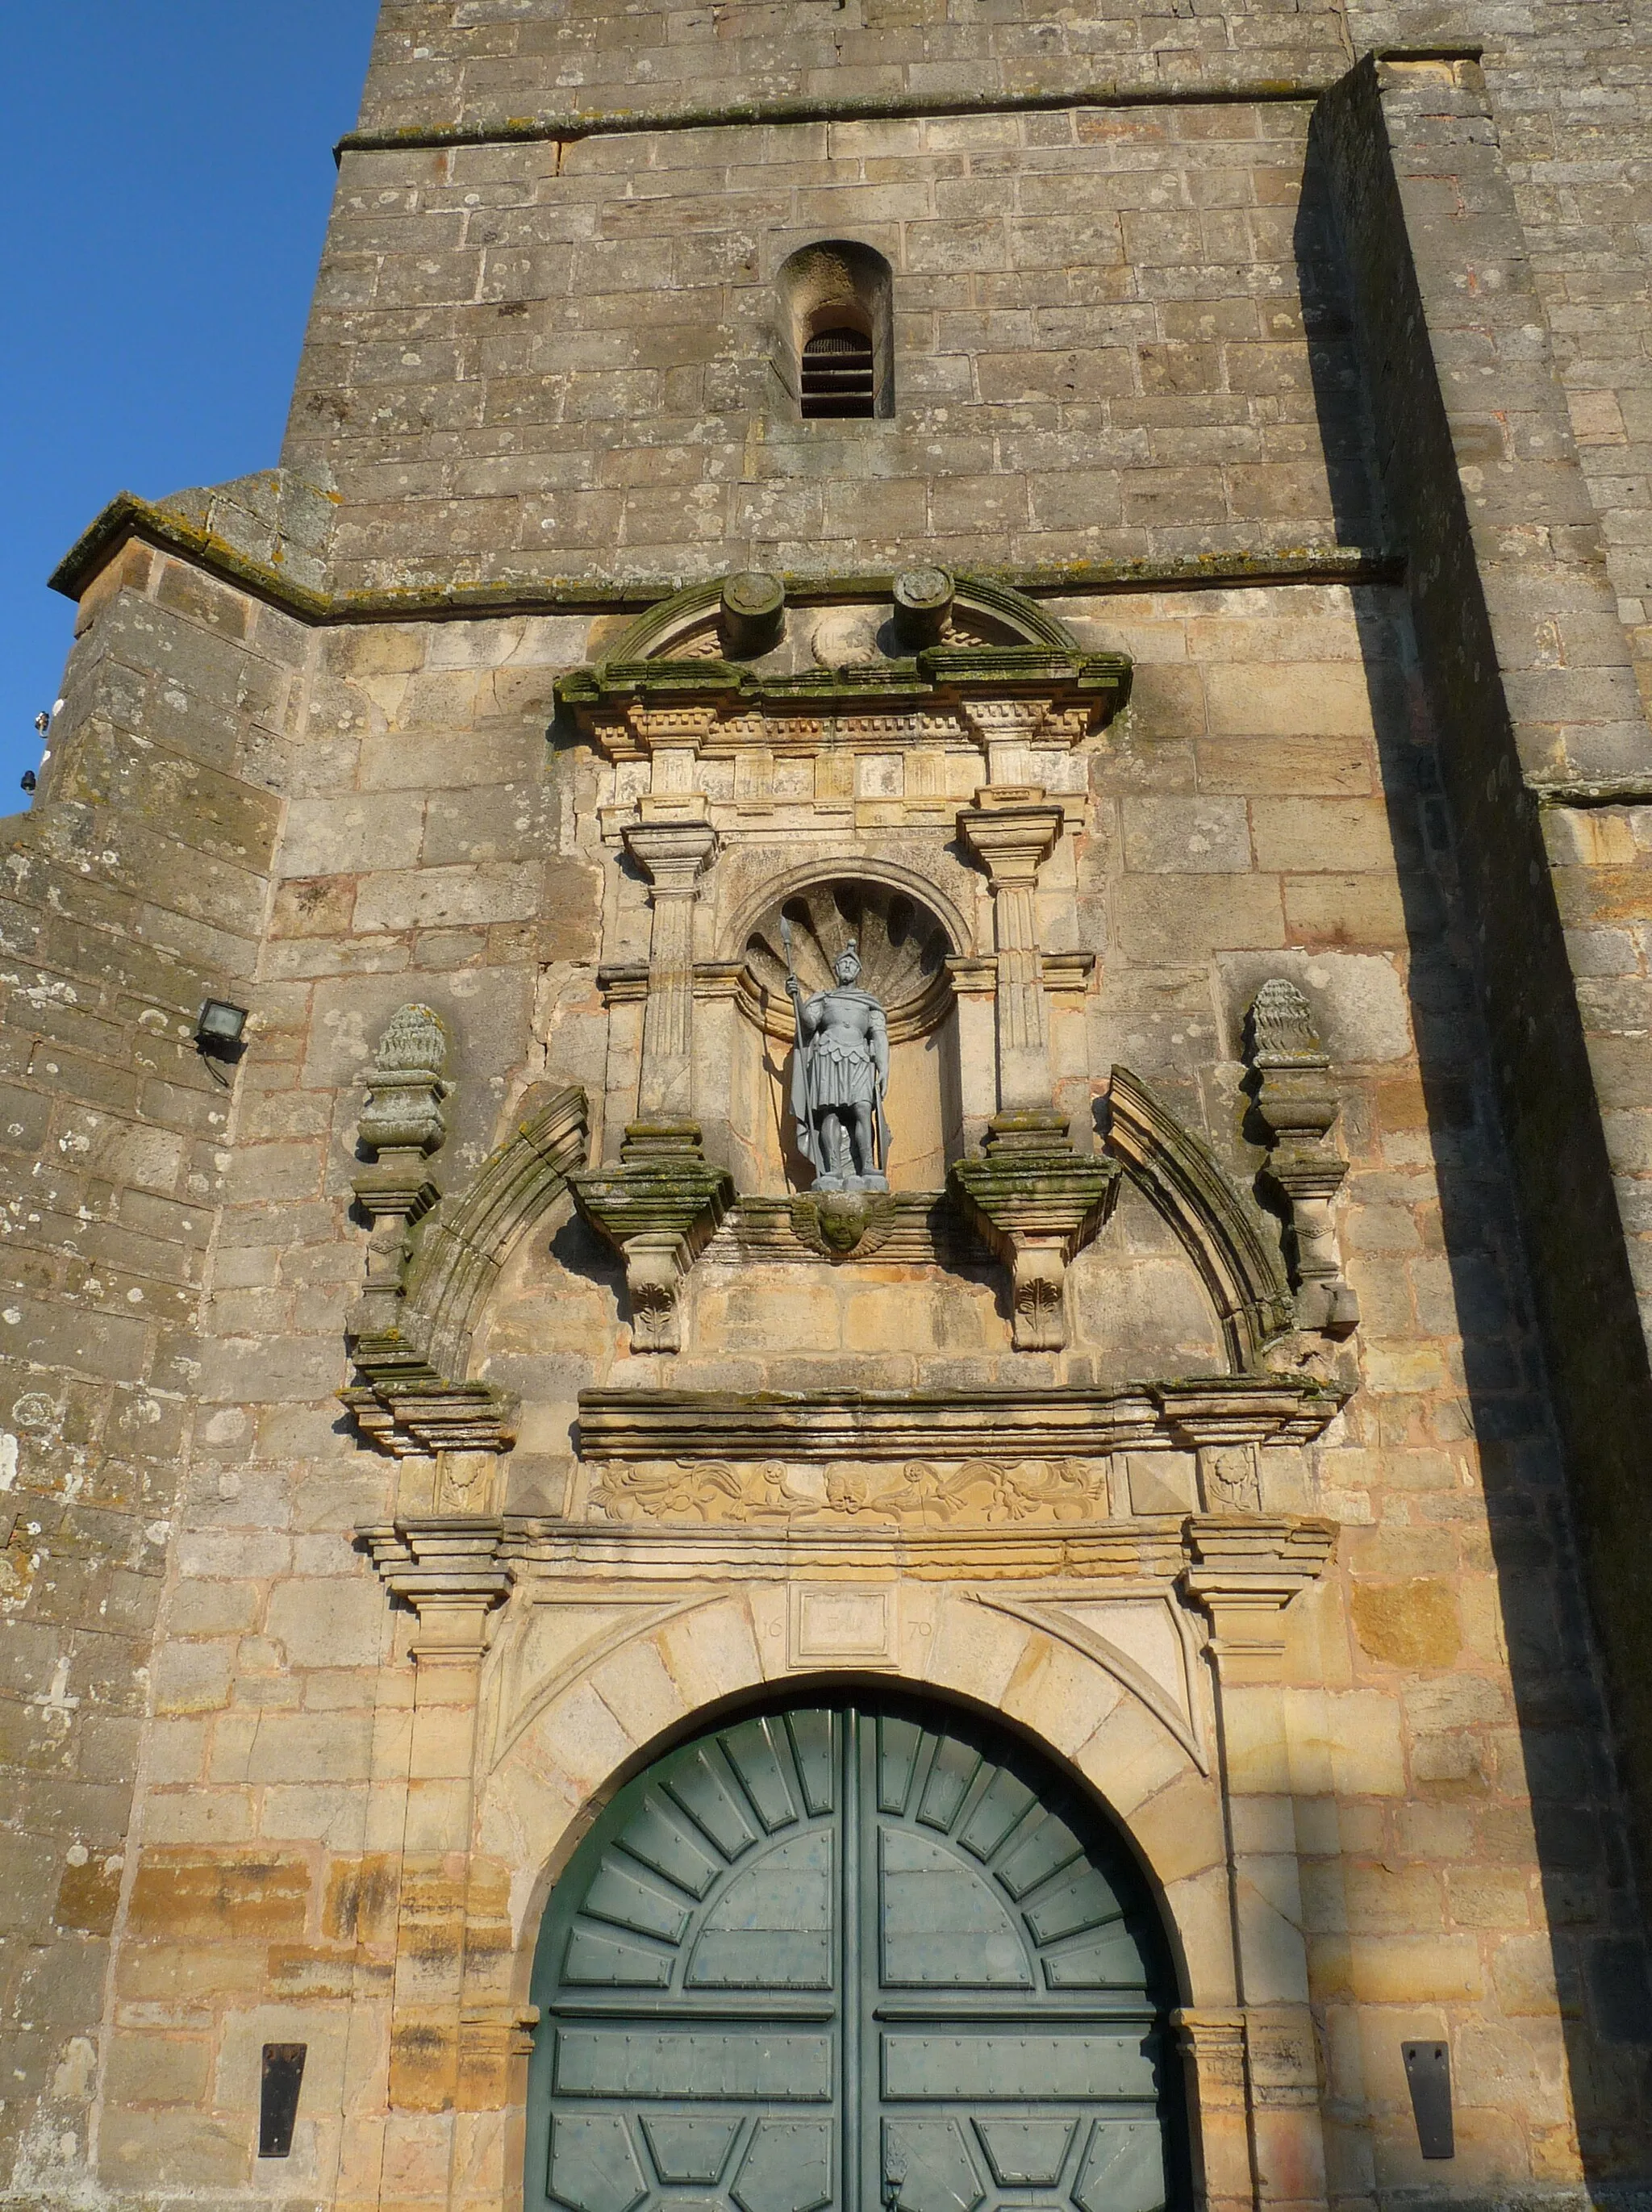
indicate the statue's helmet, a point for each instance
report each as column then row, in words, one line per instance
column 847, row 966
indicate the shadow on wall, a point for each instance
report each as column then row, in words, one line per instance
column 1425, row 1542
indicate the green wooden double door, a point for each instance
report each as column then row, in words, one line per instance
column 858, row 1956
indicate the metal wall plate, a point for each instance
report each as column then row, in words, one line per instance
column 283, row 2070
column 1428, row 2074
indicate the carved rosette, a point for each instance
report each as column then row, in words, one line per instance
column 1297, row 1102
column 658, row 1209
column 1038, row 1202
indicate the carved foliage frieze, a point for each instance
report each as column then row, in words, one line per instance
column 929, row 1494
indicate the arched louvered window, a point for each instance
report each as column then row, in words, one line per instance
column 837, row 375
column 834, row 332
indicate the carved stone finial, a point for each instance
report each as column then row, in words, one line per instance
column 1298, row 1104
column 752, row 613
column 406, row 1085
column 923, row 600
column 403, row 1123
column 1283, row 1034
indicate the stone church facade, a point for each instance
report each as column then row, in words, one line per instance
column 555, row 1655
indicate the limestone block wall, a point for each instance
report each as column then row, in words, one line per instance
column 138, row 887
column 1117, row 335
column 1566, row 83
column 436, row 63
column 1510, row 576
column 1566, row 91
column 299, row 1868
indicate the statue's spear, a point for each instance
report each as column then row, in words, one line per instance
column 800, row 1070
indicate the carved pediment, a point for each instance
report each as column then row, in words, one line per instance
column 694, row 672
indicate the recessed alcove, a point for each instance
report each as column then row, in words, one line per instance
column 904, row 947
column 834, row 304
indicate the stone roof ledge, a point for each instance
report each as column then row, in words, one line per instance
column 271, row 532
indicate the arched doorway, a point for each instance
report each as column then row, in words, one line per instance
column 863, row 1955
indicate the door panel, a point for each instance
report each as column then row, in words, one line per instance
column 856, row 1958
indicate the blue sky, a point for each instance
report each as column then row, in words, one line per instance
column 170, row 170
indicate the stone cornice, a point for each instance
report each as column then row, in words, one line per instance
column 816, row 1425
column 1142, row 1550
column 941, row 675
column 590, row 123
column 128, row 518
column 1159, row 1548
column 1207, row 91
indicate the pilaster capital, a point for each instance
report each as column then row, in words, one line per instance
column 972, row 976
column 1244, row 1573
column 448, row 1569
column 671, row 841
column 1213, row 2037
column 1011, row 830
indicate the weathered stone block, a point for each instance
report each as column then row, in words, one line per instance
column 181, row 1894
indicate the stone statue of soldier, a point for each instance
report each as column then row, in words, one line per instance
column 839, row 1074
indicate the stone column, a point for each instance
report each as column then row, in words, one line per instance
column 672, row 843
column 1011, row 830
column 1211, row 2044
column 1036, row 1200
column 448, row 1570
column 1245, row 1571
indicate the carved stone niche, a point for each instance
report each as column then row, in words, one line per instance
column 904, row 950
column 1297, row 1104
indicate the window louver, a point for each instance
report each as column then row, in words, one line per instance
column 837, row 375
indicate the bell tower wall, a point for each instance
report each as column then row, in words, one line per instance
column 1195, row 683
